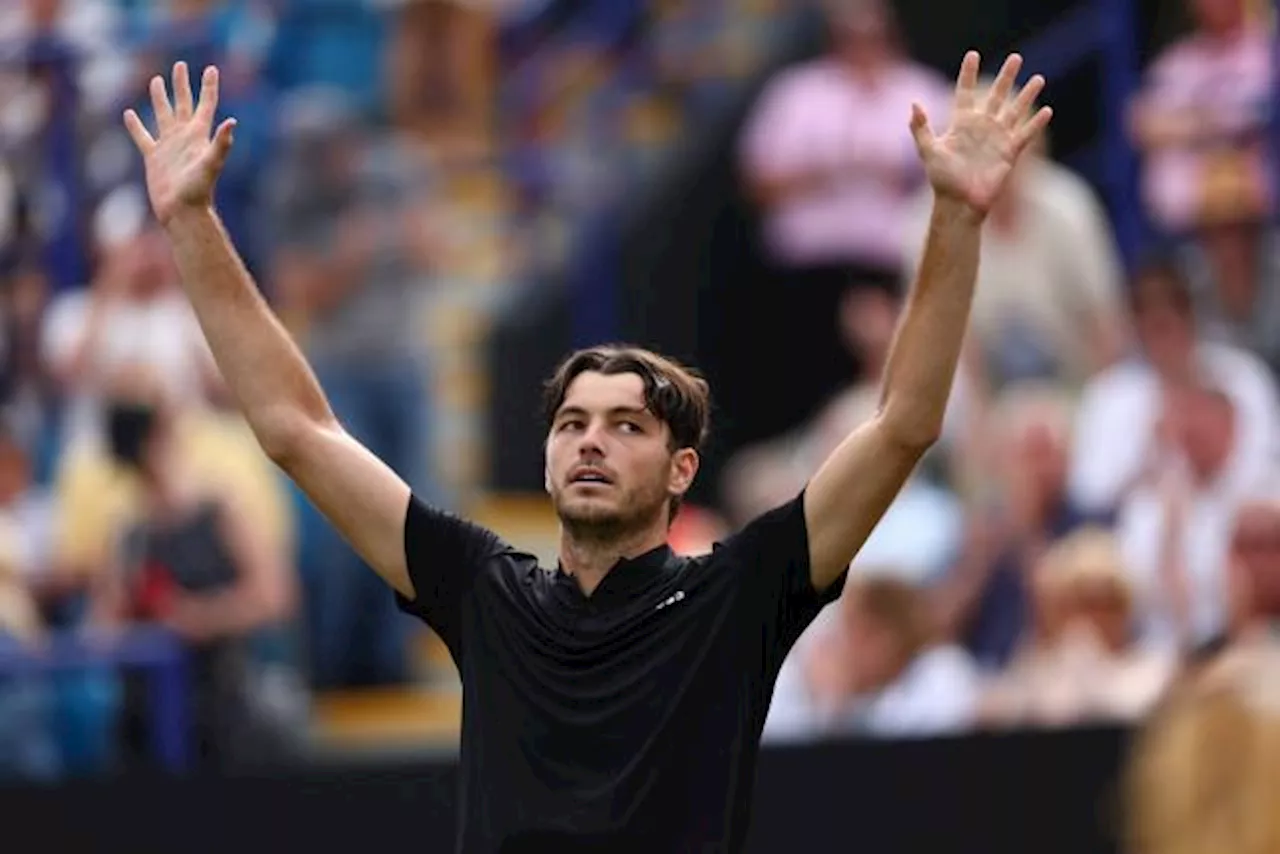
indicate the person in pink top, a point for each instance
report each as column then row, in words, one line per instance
column 1201, row 122
column 829, row 163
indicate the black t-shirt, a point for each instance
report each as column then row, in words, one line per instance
column 625, row 721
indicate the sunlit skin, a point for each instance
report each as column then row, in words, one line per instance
column 603, row 430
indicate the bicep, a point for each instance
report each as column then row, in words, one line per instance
column 359, row 494
column 848, row 496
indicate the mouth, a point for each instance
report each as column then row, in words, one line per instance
column 590, row 476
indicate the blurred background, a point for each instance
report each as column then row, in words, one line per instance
column 442, row 197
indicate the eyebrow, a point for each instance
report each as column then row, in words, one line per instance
column 615, row 411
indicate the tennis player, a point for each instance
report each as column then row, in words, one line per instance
column 613, row 703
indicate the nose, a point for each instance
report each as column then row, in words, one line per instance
column 591, row 442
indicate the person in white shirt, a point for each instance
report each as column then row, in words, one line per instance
column 877, row 669
column 1175, row 524
column 1116, row 419
column 133, row 316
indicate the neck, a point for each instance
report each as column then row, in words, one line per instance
column 588, row 559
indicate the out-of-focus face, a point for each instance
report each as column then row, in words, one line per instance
column 610, row 469
column 873, row 651
column 1104, row 609
column 860, row 25
column 1040, row 454
column 1253, row 576
column 1217, row 16
column 1164, row 329
column 44, row 13
column 868, row 318
column 1205, row 426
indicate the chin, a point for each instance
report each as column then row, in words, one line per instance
column 588, row 512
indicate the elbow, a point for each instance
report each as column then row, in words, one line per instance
column 284, row 434
column 913, row 434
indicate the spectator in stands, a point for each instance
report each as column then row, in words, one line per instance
column 443, row 64
column 133, row 316
column 28, row 750
column 696, row 530
column 236, row 36
column 877, row 670
column 338, row 44
column 1019, row 513
column 1204, row 774
column 95, row 497
column 1253, row 576
column 1202, row 121
column 26, row 518
column 1081, row 662
column 827, row 156
column 1175, row 525
column 1048, row 299
column 196, row 561
column 920, row 532
column 351, row 273
column 27, row 391
column 1115, row 431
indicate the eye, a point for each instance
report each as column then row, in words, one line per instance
column 631, row 427
column 571, row 424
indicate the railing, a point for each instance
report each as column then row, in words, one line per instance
column 155, row 652
column 1103, row 30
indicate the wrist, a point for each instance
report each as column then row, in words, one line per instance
column 950, row 209
column 184, row 216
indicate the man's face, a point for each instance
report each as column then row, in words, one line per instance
column 609, row 466
column 1165, row 332
column 1206, row 430
column 1040, row 454
column 1218, row 15
column 1253, row 576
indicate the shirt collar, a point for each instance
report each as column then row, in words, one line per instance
column 627, row 577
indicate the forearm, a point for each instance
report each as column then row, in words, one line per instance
column 926, row 349
column 233, row 612
column 262, row 367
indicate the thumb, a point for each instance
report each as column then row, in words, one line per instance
column 223, row 138
column 920, row 129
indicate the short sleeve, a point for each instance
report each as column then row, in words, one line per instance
column 445, row 555
column 772, row 553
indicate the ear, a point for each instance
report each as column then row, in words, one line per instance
column 546, row 478
column 684, row 468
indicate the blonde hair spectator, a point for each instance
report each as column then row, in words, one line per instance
column 1204, row 777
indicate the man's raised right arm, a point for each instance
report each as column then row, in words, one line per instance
column 280, row 397
column 263, row 369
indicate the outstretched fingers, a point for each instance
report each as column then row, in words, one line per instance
column 1032, row 128
column 967, row 81
column 920, row 130
column 183, row 101
column 223, row 139
column 1003, row 84
column 160, row 104
column 208, row 107
column 138, row 132
column 1020, row 108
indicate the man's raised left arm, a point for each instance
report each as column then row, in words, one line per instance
column 967, row 167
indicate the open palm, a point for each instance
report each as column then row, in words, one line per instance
column 972, row 160
column 182, row 160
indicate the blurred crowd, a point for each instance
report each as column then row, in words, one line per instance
column 1098, row 513
column 401, row 168
column 1103, row 507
